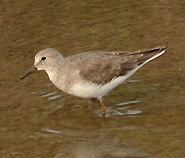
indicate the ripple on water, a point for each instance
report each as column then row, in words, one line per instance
column 123, row 109
column 51, row 131
column 120, row 109
column 51, row 96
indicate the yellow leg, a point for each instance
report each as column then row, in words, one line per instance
column 103, row 109
column 103, row 106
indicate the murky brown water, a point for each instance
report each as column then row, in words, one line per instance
column 145, row 116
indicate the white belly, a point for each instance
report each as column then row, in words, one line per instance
column 91, row 90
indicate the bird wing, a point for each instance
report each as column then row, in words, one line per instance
column 101, row 67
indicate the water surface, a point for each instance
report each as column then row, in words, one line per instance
column 145, row 116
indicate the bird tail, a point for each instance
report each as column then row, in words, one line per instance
column 148, row 55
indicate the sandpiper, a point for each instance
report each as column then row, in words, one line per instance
column 92, row 74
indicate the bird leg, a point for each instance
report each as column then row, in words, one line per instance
column 103, row 106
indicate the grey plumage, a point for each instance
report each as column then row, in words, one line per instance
column 92, row 74
column 101, row 67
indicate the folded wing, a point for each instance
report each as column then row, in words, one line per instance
column 102, row 67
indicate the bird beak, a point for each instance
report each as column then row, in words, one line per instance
column 29, row 72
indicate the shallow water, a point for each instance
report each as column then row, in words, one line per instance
column 145, row 115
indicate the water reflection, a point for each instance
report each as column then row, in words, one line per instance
column 120, row 109
column 95, row 144
column 99, row 148
column 28, row 122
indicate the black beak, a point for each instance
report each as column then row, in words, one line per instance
column 29, row 72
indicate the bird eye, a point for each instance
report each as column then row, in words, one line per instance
column 43, row 58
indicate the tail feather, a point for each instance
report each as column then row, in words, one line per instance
column 149, row 54
column 139, row 58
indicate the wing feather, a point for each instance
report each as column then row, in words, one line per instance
column 101, row 67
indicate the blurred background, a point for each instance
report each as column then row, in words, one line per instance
column 145, row 114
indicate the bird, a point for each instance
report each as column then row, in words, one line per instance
column 92, row 74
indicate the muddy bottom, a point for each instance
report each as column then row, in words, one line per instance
column 145, row 115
